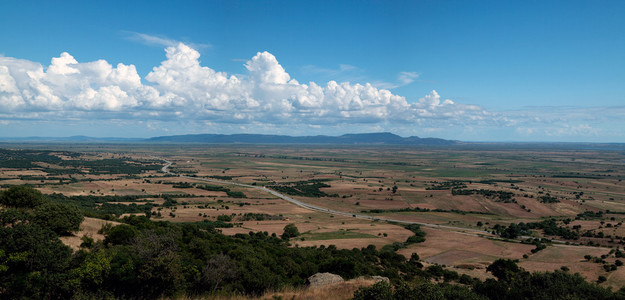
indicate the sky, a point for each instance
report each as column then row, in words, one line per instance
column 550, row 71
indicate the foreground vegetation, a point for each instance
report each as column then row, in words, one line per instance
column 142, row 258
column 512, row 283
column 488, row 200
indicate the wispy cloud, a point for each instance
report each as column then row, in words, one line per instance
column 349, row 73
column 343, row 68
column 403, row 79
column 344, row 73
column 158, row 40
column 407, row 77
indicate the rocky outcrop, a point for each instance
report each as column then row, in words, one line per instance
column 321, row 279
column 375, row 278
column 380, row 278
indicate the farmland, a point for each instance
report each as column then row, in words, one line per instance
column 481, row 196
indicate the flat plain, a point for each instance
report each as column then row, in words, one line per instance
column 476, row 191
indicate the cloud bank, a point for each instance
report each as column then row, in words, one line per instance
column 180, row 88
column 266, row 98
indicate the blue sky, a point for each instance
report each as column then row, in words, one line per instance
column 467, row 70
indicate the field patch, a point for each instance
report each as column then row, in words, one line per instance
column 336, row 235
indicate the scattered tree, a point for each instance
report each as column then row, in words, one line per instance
column 290, row 231
column 21, row 196
column 58, row 217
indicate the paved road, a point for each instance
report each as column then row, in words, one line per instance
column 469, row 231
column 461, row 230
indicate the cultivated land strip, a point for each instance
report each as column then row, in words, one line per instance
column 461, row 230
column 475, row 232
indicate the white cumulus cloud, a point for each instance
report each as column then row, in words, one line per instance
column 180, row 88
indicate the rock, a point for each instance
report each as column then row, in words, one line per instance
column 321, row 279
column 380, row 278
column 375, row 278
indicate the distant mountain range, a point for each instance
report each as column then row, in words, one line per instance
column 72, row 139
column 384, row 138
column 381, row 138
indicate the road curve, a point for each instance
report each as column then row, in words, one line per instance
column 461, row 230
column 470, row 231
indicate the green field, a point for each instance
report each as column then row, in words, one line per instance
column 336, row 235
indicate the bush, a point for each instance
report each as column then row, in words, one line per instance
column 504, row 269
column 224, row 218
column 87, row 242
column 379, row 291
column 419, row 235
column 236, row 194
column 290, row 231
column 120, row 235
column 13, row 216
column 37, row 260
column 465, row 279
column 58, row 217
column 21, row 196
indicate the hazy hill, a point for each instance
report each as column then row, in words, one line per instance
column 380, row 138
column 71, row 139
column 385, row 138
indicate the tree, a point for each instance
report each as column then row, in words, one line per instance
column 504, row 269
column 511, row 232
column 36, row 263
column 120, row 235
column 94, row 270
column 13, row 216
column 290, row 231
column 414, row 257
column 21, row 196
column 87, row 241
column 58, row 217
column 156, row 257
column 218, row 269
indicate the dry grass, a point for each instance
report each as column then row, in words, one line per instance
column 89, row 227
column 338, row 291
column 454, row 248
column 555, row 256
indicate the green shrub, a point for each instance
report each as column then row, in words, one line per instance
column 58, row 217
column 379, row 291
column 21, row 196
column 290, row 231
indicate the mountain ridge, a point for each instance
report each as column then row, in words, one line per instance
column 373, row 138
column 385, row 138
